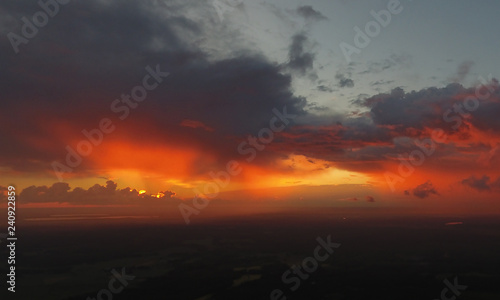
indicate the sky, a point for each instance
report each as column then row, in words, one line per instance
column 365, row 104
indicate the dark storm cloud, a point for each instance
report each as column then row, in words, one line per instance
column 367, row 141
column 482, row 184
column 91, row 52
column 394, row 61
column 324, row 88
column 381, row 82
column 95, row 195
column 335, row 141
column 240, row 93
column 425, row 190
column 462, row 71
column 64, row 80
column 428, row 107
column 315, row 107
column 308, row 13
column 343, row 81
column 300, row 60
column 92, row 45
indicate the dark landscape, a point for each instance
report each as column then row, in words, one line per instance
column 245, row 258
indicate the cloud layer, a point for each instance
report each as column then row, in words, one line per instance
column 93, row 52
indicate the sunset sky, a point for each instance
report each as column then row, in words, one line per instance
column 113, row 102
